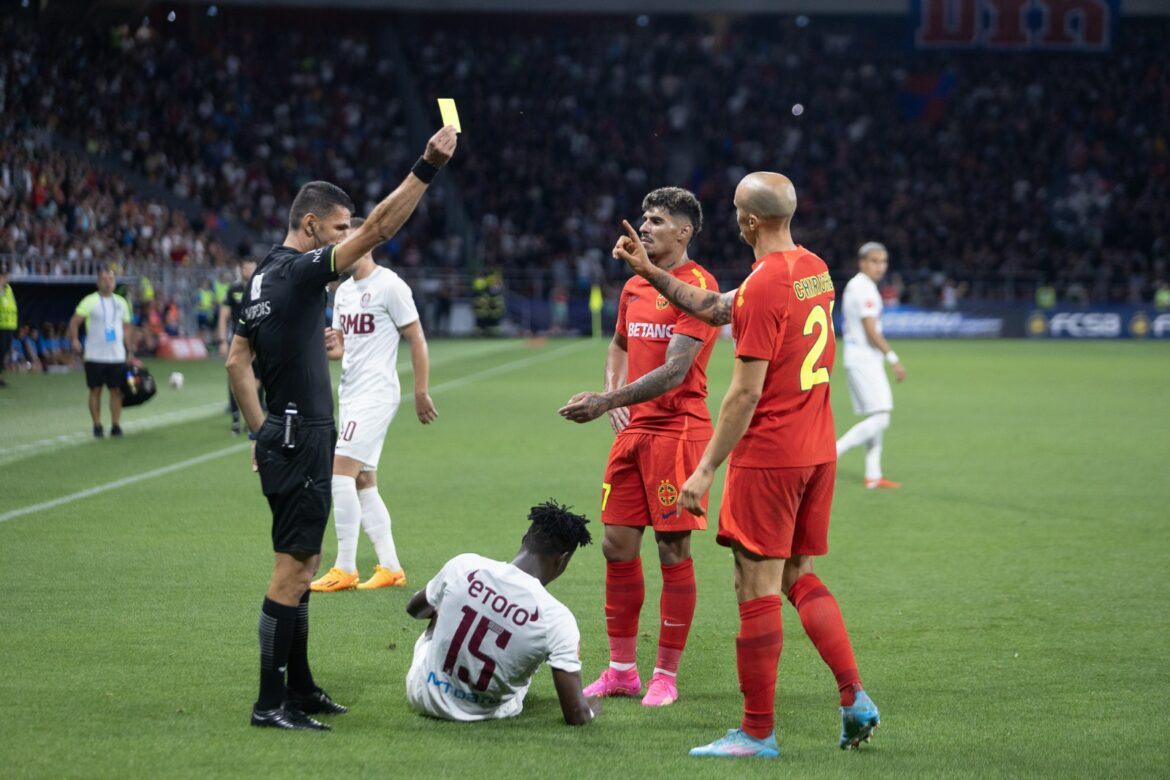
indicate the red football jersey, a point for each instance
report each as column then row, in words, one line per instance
column 649, row 320
column 783, row 313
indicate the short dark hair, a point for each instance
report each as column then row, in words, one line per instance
column 676, row 201
column 317, row 197
column 554, row 530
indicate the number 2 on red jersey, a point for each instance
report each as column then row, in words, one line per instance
column 818, row 321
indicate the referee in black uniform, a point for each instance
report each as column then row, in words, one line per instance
column 229, row 315
column 282, row 327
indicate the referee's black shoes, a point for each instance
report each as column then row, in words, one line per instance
column 316, row 703
column 286, row 716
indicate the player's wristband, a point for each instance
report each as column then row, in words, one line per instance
column 253, row 435
column 424, row 170
column 892, row 357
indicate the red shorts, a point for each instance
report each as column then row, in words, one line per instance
column 643, row 479
column 778, row 513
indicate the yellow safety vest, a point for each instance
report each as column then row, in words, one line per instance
column 7, row 309
column 206, row 300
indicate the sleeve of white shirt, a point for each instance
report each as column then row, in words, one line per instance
column 564, row 640
column 337, row 296
column 437, row 587
column 400, row 303
column 870, row 302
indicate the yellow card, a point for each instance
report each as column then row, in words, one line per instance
column 449, row 113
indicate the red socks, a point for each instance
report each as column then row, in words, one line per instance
column 822, row 621
column 625, row 590
column 757, row 654
column 677, row 608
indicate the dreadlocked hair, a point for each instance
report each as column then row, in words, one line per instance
column 555, row 530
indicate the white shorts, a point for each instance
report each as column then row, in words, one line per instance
column 361, row 432
column 869, row 387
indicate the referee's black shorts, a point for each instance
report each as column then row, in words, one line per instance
column 112, row 375
column 297, row 482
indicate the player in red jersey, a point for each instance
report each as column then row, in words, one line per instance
column 655, row 394
column 777, row 426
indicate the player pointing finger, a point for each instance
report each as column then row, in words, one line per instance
column 655, row 391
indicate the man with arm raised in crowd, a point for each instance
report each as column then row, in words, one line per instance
column 282, row 328
column 776, row 424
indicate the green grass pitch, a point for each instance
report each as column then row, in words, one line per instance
column 1009, row 607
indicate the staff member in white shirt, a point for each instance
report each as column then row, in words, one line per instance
column 865, row 351
column 109, row 336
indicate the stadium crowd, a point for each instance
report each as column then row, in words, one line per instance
column 62, row 216
column 980, row 168
column 981, row 172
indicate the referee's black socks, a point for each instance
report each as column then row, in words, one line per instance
column 278, row 623
column 300, row 678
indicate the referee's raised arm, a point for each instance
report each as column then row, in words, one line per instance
column 388, row 216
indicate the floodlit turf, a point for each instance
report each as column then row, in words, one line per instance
column 1008, row 606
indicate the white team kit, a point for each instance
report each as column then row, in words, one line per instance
column 496, row 625
column 369, row 312
column 865, row 368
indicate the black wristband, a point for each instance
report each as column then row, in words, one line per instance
column 424, row 170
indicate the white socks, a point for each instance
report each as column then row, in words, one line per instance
column 376, row 522
column 868, row 432
column 347, row 517
column 873, row 457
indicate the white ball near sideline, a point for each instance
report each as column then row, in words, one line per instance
column 176, row 380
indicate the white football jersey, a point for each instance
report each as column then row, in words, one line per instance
column 369, row 312
column 861, row 300
column 496, row 625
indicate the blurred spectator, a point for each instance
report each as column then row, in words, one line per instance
column 25, row 347
column 8, row 322
column 488, row 302
column 1162, row 296
column 949, row 299
column 1045, row 296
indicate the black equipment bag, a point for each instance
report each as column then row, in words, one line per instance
column 139, row 386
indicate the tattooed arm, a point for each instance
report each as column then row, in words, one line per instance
column 709, row 306
column 680, row 356
column 616, row 359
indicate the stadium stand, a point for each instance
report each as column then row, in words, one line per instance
column 985, row 176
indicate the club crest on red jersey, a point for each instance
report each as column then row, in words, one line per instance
column 660, row 302
column 667, row 493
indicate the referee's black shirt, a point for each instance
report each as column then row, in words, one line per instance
column 283, row 317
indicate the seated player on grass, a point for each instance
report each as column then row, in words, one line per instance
column 492, row 624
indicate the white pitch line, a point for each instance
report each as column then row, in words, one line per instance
column 20, row 451
column 10, row 454
column 120, row 483
column 185, row 464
